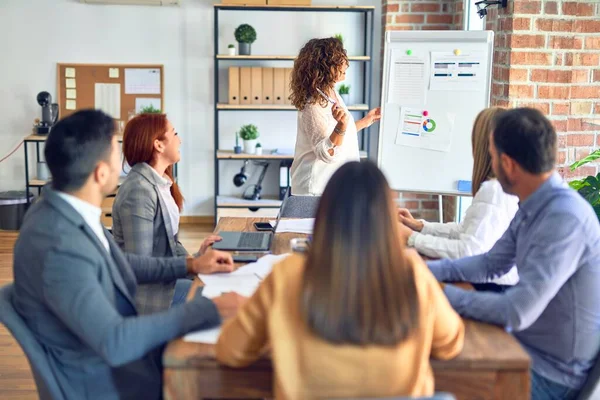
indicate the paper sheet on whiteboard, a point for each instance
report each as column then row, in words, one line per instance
column 107, row 97
column 433, row 132
column 409, row 83
column 452, row 72
column 142, row 81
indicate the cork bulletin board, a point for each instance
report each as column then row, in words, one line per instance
column 118, row 89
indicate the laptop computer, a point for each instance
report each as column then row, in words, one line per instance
column 248, row 241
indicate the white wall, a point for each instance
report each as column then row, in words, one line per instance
column 37, row 34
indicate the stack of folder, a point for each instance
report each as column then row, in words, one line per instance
column 259, row 85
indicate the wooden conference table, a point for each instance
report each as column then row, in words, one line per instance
column 492, row 364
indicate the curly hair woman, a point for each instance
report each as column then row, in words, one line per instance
column 327, row 133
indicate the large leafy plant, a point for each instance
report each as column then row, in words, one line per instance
column 588, row 187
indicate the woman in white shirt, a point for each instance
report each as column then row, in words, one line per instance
column 327, row 133
column 485, row 220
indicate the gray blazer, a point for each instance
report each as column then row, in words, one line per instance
column 141, row 225
column 77, row 299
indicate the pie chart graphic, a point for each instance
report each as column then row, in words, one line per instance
column 429, row 125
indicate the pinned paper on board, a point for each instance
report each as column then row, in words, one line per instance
column 69, row 72
column 70, row 84
column 409, row 84
column 142, row 102
column 142, row 81
column 107, row 97
column 113, row 72
column 433, row 132
column 462, row 71
column 71, row 93
column 71, row 105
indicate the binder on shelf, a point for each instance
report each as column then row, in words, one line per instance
column 256, row 85
column 234, row 85
column 245, row 85
column 267, row 85
column 286, row 85
column 278, row 85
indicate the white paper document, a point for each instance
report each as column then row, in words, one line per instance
column 70, row 83
column 69, row 72
column 450, row 72
column 260, row 268
column 409, row 85
column 299, row 225
column 244, row 281
column 113, row 72
column 71, row 93
column 209, row 336
column 142, row 81
column 71, row 105
column 108, row 98
column 141, row 102
column 433, row 132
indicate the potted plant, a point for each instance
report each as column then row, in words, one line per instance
column 339, row 37
column 245, row 36
column 259, row 149
column 231, row 49
column 149, row 109
column 249, row 134
column 588, row 187
column 344, row 91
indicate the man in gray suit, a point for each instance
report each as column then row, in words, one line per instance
column 74, row 287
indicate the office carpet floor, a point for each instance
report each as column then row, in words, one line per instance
column 16, row 382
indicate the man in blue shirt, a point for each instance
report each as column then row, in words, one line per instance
column 554, row 239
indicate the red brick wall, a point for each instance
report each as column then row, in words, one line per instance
column 548, row 56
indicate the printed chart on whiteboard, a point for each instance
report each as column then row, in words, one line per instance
column 464, row 72
column 421, row 129
column 409, row 80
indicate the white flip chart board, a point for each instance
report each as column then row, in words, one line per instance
column 434, row 85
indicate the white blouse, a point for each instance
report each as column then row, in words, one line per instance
column 313, row 165
column 164, row 189
column 485, row 222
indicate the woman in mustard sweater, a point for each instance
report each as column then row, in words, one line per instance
column 358, row 316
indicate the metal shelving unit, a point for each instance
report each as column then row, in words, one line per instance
column 227, row 202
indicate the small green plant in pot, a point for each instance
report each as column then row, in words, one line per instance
column 339, row 37
column 249, row 134
column 245, row 36
column 231, row 50
column 149, row 109
column 588, row 187
column 344, row 91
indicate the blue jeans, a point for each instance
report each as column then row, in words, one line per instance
column 545, row 389
column 182, row 287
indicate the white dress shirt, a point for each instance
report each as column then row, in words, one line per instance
column 485, row 222
column 313, row 165
column 164, row 189
column 90, row 214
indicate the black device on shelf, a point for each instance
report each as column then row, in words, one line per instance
column 49, row 113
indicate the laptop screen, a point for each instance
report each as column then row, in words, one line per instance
column 287, row 194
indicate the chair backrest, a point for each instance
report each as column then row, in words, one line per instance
column 437, row 396
column 45, row 381
column 300, row 207
column 591, row 389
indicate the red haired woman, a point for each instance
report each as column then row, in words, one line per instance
column 146, row 209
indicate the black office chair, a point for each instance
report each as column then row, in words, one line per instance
column 300, row 207
column 437, row 396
